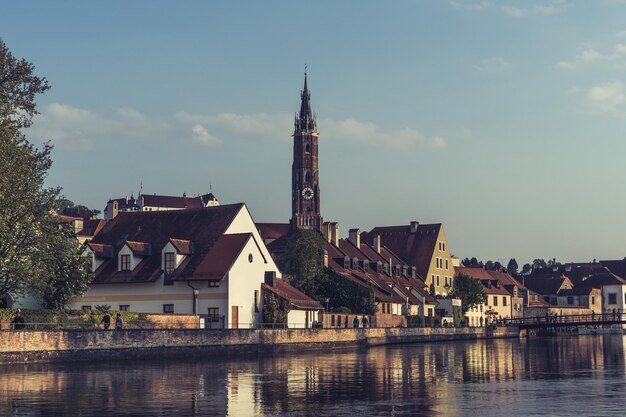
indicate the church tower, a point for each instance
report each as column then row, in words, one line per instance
column 305, row 191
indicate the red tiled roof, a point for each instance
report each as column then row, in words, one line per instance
column 202, row 226
column 217, row 262
column 290, row 293
column 60, row 218
column 184, row 247
column 413, row 248
column 81, row 212
column 92, row 227
column 140, row 248
column 101, row 251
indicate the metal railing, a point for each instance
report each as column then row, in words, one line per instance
column 567, row 320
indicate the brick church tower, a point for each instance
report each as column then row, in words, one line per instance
column 305, row 191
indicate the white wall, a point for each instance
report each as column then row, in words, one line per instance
column 296, row 319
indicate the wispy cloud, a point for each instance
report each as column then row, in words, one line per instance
column 512, row 8
column 79, row 129
column 616, row 57
column 608, row 98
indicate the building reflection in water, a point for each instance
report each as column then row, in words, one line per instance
column 433, row 378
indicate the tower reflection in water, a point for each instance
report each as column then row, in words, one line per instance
column 439, row 379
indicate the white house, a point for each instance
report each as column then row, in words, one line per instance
column 209, row 261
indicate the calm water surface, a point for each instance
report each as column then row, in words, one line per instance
column 574, row 375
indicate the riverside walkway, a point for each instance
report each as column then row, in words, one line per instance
column 555, row 321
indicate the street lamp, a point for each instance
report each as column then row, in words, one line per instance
column 327, row 301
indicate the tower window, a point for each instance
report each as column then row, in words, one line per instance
column 308, row 148
column 307, row 176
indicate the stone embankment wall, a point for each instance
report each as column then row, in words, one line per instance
column 47, row 346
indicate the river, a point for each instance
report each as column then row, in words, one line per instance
column 569, row 375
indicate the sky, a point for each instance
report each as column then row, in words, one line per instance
column 503, row 120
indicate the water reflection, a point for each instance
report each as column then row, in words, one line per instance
column 560, row 376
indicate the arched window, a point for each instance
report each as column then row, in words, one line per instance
column 307, row 176
column 308, row 148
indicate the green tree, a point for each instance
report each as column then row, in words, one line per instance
column 539, row 263
column 303, row 260
column 512, row 267
column 489, row 266
column 275, row 309
column 34, row 250
column 526, row 268
column 18, row 87
column 469, row 290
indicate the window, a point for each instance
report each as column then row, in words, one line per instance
column 250, row 258
column 593, row 299
column 168, row 308
column 307, row 176
column 433, row 278
column 214, row 284
column 124, row 262
column 437, row 281
column 504, row 300
column 170, row 262
column 612, row 298
column 124, row 307
column 495, row 300
column 445, row 281
column 86, row 308
column 570, row 299
column 308, row 148
column 214, row 314
column 256, row 301
column 447, row 265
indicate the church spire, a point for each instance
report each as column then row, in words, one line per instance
column 306, row 119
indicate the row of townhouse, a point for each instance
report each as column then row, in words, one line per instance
column 208, row 261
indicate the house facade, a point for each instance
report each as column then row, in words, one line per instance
column 208, row 261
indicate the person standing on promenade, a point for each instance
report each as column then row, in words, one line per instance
column 355, row 322
column 106, row 320
column 345, row 323
column 364, row 322
column 19, row 322
column 119, row 323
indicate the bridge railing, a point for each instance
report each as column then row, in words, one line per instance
column 613, row 317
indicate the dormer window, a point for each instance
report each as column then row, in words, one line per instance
column 124, row 262
column 170, row 262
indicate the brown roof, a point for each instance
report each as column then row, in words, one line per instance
column 290, row 293
column 60, row 218
column 101, row 251
column 140, row 248
column 618, row 267
column 546, row 285
column 217, row 262
column 601, row 279
column 273, row 230
column 92, row 227
column 415, row 248
column 184, row 247
column 202, row 226
column 575, row 271
column 82, row 212
column 171, row 201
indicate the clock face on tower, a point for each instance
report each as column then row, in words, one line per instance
column 307, row 193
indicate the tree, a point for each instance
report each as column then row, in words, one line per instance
column 489, row 266
column 526, row 269
column 303, row 259
column 18, row 87
column 512, row 267
column 275, row 309
column 469, row 290
column 67, row 274
column 34, row 250
column 539, row 263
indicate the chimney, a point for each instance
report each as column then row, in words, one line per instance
column 376, row 243
column 334, row 228
column 355, row 237
column 414, row 226
column 270, row 278
column 326, row 231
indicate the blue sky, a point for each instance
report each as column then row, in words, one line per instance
column 504, row 120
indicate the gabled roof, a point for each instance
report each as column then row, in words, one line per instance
column 217, row 262
column 101, row 251
column 575, row 271
column 290, row 293
column 202, row 226
column 91, row 227
column 618, row 267
column 140, row 248
column 546, row 285
column 601, row 279
column 414, row 248
column 183, row 247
